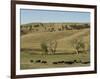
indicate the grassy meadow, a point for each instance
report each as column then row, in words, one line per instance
column 54, row 45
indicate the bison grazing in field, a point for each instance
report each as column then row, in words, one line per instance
column 44, row 62
column 77, row 61
column 54, row 62
column 38, row 61
column 87, row 62
column 69, row 62
column 31, row 61
column 60, row 62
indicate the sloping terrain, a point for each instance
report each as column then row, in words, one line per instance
column 31, row 42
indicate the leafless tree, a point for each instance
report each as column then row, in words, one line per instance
column 78, row 45
column 52, row 46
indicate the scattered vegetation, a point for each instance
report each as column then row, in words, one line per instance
column 78, row 45
column 52, row 46
column 49, row 47
column 44, row 48
column 45, row 45
column 51, row 27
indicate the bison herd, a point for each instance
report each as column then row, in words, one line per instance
column 60, row 62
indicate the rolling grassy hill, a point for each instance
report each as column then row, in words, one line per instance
column 30, row 45
column 64, row 39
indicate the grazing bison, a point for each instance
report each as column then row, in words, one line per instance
column 54, row 62
column 60, row 62
column 31, row 61
column 77, row 61
column 69, row 62
column 44, row 62
column 38, row 61
column 85, row 62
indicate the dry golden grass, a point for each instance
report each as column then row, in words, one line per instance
column 31, row 49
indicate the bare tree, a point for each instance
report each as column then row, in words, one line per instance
column 78, row 45
column 55, row 47
column 52, row 46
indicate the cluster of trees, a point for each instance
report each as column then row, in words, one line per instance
column 81, row 26
column 79, row 46
column 51, row 27
column 49, row 47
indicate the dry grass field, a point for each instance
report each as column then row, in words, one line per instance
column 35, row 49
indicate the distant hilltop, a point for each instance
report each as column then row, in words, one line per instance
column 52, row 27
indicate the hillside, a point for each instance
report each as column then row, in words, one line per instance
column 52, row 27
column 31, row 42
column 60, row 43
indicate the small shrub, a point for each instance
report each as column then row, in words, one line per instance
column 44, row 48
